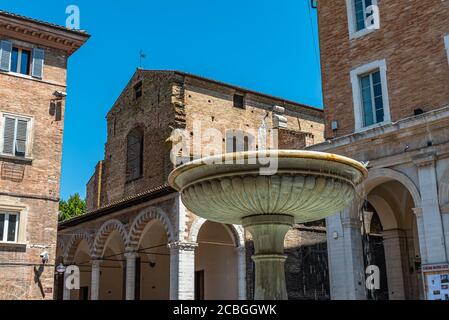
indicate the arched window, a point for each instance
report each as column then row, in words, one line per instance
column 134, row 154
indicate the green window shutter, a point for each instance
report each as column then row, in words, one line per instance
column 21, row 138
column 5, row 55
column 38, row 63
column 8, row 135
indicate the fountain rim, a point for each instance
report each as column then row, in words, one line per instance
column 302, row 154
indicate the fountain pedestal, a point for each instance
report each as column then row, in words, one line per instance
column 233, row 189
column 268, row 233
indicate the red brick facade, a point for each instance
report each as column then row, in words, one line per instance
column 410, row 39
column 29, row 186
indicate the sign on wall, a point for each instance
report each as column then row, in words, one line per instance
column 436, row 278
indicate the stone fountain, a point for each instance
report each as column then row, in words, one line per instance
column 234, row 188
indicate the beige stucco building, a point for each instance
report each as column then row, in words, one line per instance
column 33, row 72
column 138, row 241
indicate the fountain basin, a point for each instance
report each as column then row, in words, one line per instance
column 307, row 185
column 235, row 188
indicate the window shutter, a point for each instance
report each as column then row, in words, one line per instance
column 8, row 135
column 21, row 138
column 38, row 63
column 5, row 55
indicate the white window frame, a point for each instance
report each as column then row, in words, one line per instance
column 352, row 21
column 6, row 226
column 446, row 44
column 14, row 206
column 29, row 119
column 355, row 74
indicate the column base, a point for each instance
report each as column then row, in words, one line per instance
column 268, row 233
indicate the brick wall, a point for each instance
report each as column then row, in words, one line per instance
column 410, row 38
column 176, row 100
column 40, row 178
column 153, row 112
column 31, row 187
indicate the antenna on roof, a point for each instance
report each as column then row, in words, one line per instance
column 142, row 57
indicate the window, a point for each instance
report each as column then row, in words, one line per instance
column 361, row 14
column 370, row 95
column 15, row 59
column 372, row 102
column 138, row 90
column 15, row 136
column 134, row 155
column 20, row 61
column 363, row 17
column 9, row 227
column 239, row 101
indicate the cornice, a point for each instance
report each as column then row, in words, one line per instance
column 33, row 32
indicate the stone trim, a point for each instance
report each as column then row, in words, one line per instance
column 390, row 174
column 356, row 90
column 145, row 216
column 103, row 233
column 383, row 130
column 353, row 34
column 73, row 243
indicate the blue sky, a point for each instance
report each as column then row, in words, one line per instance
column 265, row 45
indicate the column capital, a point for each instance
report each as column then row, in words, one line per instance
column 444, row 209
column 351, row 222
column 425, row 159
column 183, row 246
column 96, row 262
column 66, row 261
column 241, row 249
column 131, row 255
column 393, row 234
column 417, row 212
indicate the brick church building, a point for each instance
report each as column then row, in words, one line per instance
column 138, row 241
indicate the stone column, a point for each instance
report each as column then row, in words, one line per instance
column 396, row 263
column 241, row 252
column 421, row 234
column 345, row 252
column 182, row 270
column 433, row 225
column 130, row 275
column 445, row 217
column 95, row 280
column 66, row 291
column 268, row 233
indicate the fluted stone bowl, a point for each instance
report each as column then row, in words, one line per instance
column 306, row 185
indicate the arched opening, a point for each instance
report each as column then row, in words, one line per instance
column 216, row 263
column 113, row 267
column 374, row 250
column 82, row 259
column 153, row 264
column 391, row 240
